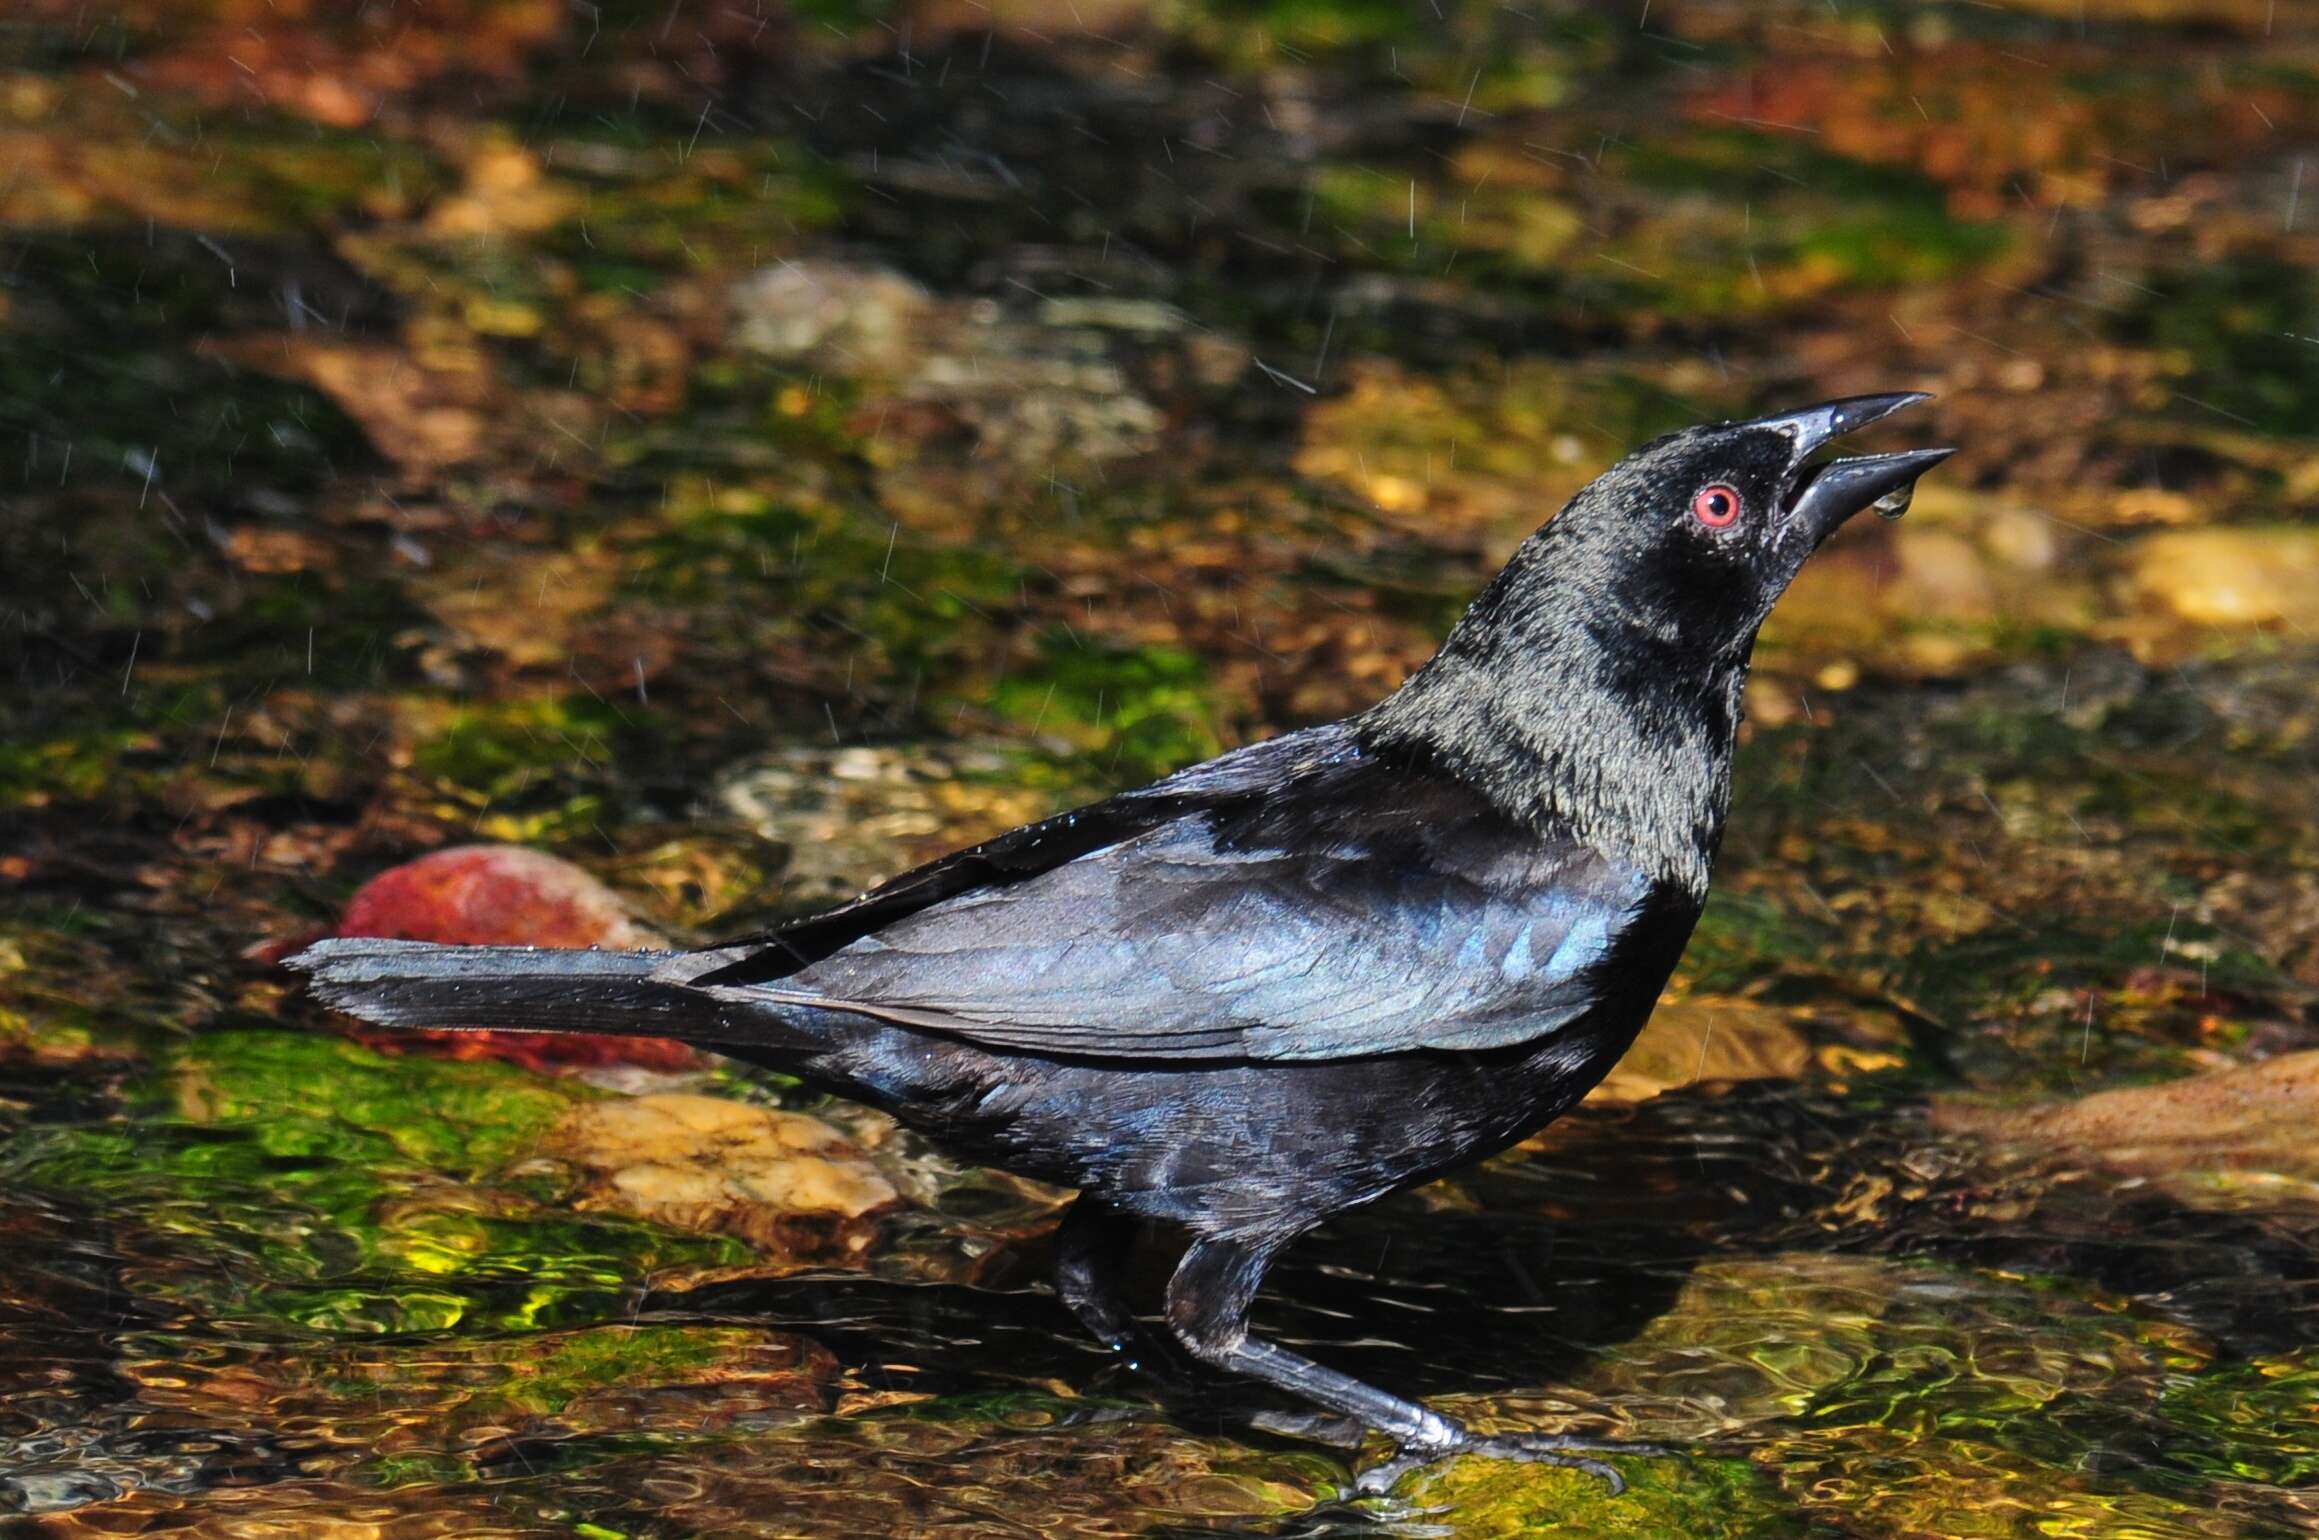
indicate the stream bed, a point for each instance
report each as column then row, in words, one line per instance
column 739, row 451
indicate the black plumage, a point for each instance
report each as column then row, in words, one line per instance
column 1288, row 981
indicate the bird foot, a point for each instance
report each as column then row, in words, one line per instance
column 1558, row 1449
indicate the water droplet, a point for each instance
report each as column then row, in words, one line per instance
column 1895, row 502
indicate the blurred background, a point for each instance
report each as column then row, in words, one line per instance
column 735, row 450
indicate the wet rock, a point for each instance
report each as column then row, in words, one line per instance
column 500, row 895
column 2238, row 1137
column 555, row 596
column 868, row 319
column 1929, row 597
column 850, row 816
column 1034, row 393
column 2258, row 1419
column 1944, row 575
column 1914, row 1399
column 1745, row 1342
column 2279, row 909
column 505, row 895
column 1482, row 457
column 1708, row 1038
column 1021, row 391
column 788, row 1184
column 2227, row 577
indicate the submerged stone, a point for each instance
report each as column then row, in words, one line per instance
column 1704, row 1038
column 788, row 1184
column 2237, row 1137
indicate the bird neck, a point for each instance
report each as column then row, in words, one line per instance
column 1579, row 721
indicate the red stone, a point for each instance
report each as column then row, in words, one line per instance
column 504, row 895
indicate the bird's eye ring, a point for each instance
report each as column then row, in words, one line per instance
column 1716, row 506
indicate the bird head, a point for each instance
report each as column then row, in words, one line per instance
column 1691, row 539
column 1594, row 686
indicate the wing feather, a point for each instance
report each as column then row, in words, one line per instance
column 1389, row 915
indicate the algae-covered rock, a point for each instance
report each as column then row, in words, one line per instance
column 296, row 1091
column 1910, row 1399
column 2252, row 1421
column 325, row 1509
column 1475, row 1499
column 311, row 1180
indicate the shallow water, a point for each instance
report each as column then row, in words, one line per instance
column 743, row 453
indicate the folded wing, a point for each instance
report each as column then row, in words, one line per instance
column 1343, row 910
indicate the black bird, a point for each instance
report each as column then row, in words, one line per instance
column 1293, row 979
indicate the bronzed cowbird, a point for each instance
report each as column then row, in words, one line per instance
column 1271, row 987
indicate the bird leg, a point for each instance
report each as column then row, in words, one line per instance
column 1091, row 1247
column 1207, row 1308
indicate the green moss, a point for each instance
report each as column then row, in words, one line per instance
column 498, row 749
column 1747, row 221
column 726, row 210
column 300, row 1091
column 308, row 177
column 310, row 1183
column 296, row 1224
column 74, row 769
column 579, row 1362
column 1743, row 937
column 1412, row 222
column 418, row 1468
column 2251, row 1421
column 826, row 579
column 1478, row 1499
column 540, row 1375
column 2242, row 326
column 1708, row 223
column 1314, row 26
column 1481, row 57
column 1138, row 712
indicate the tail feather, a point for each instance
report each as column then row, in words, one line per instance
column 541, row 989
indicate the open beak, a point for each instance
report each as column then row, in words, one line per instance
column 1827, row 495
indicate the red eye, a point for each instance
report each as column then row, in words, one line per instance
column 1716, row 506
